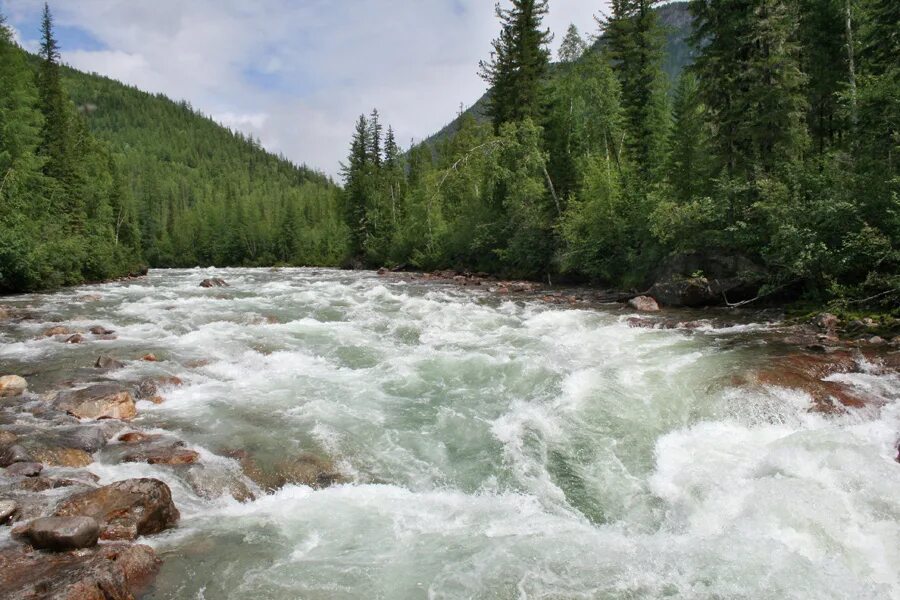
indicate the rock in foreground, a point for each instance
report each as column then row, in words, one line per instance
column 644, row 304
column 62, row 533
column 125, row 509
column 12, row 385
column 102, row 401
column 109, row 572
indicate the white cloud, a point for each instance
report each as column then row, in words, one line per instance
column 297, row 73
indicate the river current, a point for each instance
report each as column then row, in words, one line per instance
column 491, row 447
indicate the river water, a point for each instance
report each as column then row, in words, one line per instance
column 492, row 447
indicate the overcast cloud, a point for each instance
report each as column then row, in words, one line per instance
column 295, row 73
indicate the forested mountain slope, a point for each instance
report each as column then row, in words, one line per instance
column 99, row 179
column 676, row 22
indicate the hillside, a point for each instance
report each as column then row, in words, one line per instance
column 676, row 22
column 205, row 194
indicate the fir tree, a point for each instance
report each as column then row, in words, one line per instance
column 56, row 138
column 519, row 63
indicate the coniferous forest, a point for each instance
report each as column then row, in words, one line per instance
column 770, row 161
column 99, row 180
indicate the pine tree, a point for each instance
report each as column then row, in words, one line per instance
column 356, row 174
column 56, row 137
column 519, row 64
column 634, row 42
column 688, row 166
column 374, row 135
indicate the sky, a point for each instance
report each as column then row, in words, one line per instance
column 294, row 73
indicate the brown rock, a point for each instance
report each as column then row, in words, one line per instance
column 14, row 454
column 75, row 339
column 644, row 304
column 7, row 509
column 213, row 282
column 137, row 437
column 108, row 363
column 7, row 438
column 63, row 457
column 108, row 572
column 307, row 469
column 149, row 358
column 90, row 298
column 148, row 388
column 12, row 385
column 101, row 401
column 57, row 330
column 62, row 533
column 24, row 469
column 159, row 452
column 125, row 509
column 100, row 330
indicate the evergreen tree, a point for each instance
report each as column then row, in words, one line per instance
column 634, row 42
column 356, row 175
column 519, row 63
column 687, row 168
column 56, row 138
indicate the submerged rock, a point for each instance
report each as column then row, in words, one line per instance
column 100, row 330
column 108, row 363
column 7, row 509
column 12, row 385
column 62, row 533
column 644, row 304
column 24, row 469
column 213, row 282
column 14, row 454
column 125, row 509
column 108, row 572
column 156, row 450
column 101, row 401
column 57, row 330
column 75, row 339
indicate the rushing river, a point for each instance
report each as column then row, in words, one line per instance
column 492, row 447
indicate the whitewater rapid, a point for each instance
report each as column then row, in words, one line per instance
column 493, row 447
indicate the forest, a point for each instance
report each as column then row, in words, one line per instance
column 100, row 180
column 771, row 161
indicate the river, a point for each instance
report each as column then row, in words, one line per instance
column 489, row 447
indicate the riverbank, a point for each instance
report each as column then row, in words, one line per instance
column 278, row 416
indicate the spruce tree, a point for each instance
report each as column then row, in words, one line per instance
column 519, row 64
column 56, row 138
column 634, row 43
column 356, row 175
column 688, row 166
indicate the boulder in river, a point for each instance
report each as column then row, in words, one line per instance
column 213, row 282
column 62, row 457
column 158, row 451
column 24, row 469
column 7, row 509
column 12, row 385
column 644, row 304
column 108, row 363
column 107, row 572
column 101, row 401
column 100, row 330
column 75, row 339
column 57, row 330
column 125, row 509
column 62, row 533
column 14, row 454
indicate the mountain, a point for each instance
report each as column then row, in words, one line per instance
column 205, row 194
column 676, row 21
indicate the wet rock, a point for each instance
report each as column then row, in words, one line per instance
column 149, row 358
column 7, row 510
column 213, row 283
column 7, row 438
column 63, row 457
column 57, row 330
column 108, row 572
column 137, row 437
column 89, row 438
column 644, row 304
column 149, row 389
column 24, row 469
column 876, row 340
column 828, row 323
column 75, row 339
column 108, row 363
column 100, row 330
column 101, row 401
column 12, row 385
column 160, row 452
column 63, row 533
column 125, row 509
column 14, row 454
column 642, row 323
column 307, row 469
column 90, row 298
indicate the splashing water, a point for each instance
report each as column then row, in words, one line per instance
column 493, row 448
